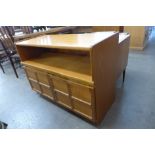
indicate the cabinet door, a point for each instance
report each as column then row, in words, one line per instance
column 32, row 77
column 39, row 82
column 77, row 97
column 82, row 99
column 81, row 92
column 63, row 99
column 83, row 108
column 61, row 91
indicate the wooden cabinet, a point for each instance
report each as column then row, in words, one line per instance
column 139, row 36
column 76, row 71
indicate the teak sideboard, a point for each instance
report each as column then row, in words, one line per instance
column 76, row 71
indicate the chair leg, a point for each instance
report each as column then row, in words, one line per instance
column 2, row 68
column 124, row 73
column 3, row 125
column 13, row 66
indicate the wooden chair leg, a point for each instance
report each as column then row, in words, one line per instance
column 124, row 73
column 2, row 68
column 13, row 66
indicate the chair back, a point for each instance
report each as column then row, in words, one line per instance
column 6, row 40
column 27, row 29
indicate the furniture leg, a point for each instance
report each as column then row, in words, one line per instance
column 124, row 72
column 2, row 68
column 13, row 66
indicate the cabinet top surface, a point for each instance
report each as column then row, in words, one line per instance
column 68, row 41
column 123, row 36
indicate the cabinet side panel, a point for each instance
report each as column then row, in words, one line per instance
column 104, row 60
column 122, row 56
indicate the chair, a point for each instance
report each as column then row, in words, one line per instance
column 3, row 125
column 2, row 67
column 39, row 28
column 27, row 29
column 9, row 48
column 2, row 56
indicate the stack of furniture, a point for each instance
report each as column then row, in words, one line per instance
column 76, row 71
column 55, row 30
column 139, row 34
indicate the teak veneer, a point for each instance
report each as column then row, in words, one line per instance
column 77, row 71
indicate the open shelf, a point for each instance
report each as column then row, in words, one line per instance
column 72, row 66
